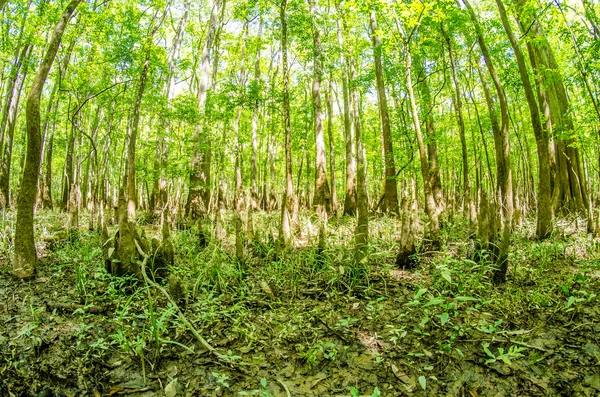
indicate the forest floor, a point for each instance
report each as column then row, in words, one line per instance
column 297, row 323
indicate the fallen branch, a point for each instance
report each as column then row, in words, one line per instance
column 180, row 314
column 71, row 307
column 287, row 391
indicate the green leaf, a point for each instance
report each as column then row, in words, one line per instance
column 447, row 275
column 444, row 317
column 423, row 382
column 435, row 301
column 466, row 298
column 419, row 293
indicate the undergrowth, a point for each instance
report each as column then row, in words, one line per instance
column 320, row 310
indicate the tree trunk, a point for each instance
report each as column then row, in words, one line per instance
column 25, row 253
column 362, row 224
column 430, row 203
column 390, row 202
column 322, row 194
column 329, row 103
column 504, row 186
column 11, row 120
column 569, row 189
column 239, row 194
column 199, row 195
column 458, row 106
column 158, row 198
column 350, row 195
column 287, row 206
column 544, row 208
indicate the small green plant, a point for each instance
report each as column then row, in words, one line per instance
column 315, row 354
column 355, row 393
column 221, row 380
column 347, row 322
column 513, row 352
column 490, row 328
column 262, row 392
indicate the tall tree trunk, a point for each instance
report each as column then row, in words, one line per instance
column 432, row 164
column 430, row 203
column 329, row 104
column 390, row 202
column 570, row 192
column 158, row 198
column 239, row 194
column 427, row 144
column 504, row 187
column 362, row 224
column 544, row 197
column 287, row 207
column 322, row 194
column 458, row 106
column 199, row 195
column 254, row 196
column 11, row 121
column 25, row 253
column 350, row 197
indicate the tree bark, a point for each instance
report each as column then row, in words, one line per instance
column 458, row 106
column 199, row 196
column 287, row 207
column 544, row 205
column 25, row 252
column 390, row 202
column 322, row 194
column 11, row 120
column 350, row 197
column 504, row 177
column 362, row 224
column 329, row 104
column 158, row 198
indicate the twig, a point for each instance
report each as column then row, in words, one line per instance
column 287, row 391
column 71, row 307
column 127, row 390
column 333, row 331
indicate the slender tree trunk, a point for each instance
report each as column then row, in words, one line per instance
column 322, row 194
column 390, row 202
column 544, row 197
column 199, row 195
column 329, row 103
column 432, row 164
column 254, row 196
column 430, row 203
column 350, row 197
column 287, row 207
column 504, row 187
column 458, row 106
column 362, row 224
column 158, row 198
column 11, row 119
column 239, row 194
column 25, row 253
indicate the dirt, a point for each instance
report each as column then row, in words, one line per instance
column 76, row 331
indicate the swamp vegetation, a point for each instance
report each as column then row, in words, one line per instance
column 299, row 198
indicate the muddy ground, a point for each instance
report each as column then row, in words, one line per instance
column 441, row 329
